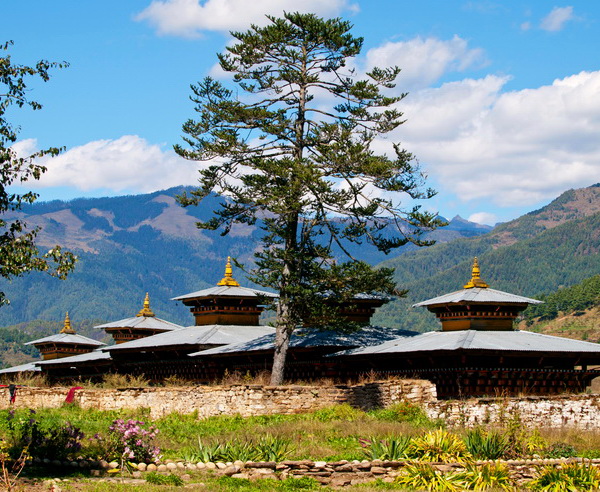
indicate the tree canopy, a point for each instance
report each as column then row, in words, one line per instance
column 18, row 251
column 289, row 143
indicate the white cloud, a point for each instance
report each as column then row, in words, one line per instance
column 510, row 148
column 424, row 60
column 557, row 18
column 525, row 26
column 484, row 218
column 128, row 163
column 188, row 18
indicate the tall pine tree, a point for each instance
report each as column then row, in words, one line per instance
column 290, row 146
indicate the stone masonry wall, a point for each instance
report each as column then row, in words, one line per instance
column 245, row 400
column 580, row 411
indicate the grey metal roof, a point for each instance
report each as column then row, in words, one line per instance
column 307, row 337
column 141, row 322
column 67, row 338
column 226, row 291
column 95, row 355
column 523, row 341
column 29, row 367
column 478, row 295
column 196, row 335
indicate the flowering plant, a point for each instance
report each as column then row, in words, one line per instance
column 133, row 441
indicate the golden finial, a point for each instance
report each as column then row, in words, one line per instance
column 476, row 277
column 146, row 311
column 67, row 328
column 228, row 279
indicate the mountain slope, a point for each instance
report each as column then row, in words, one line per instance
column 130, row 245
column 555, row 246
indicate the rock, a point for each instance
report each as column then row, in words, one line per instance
column 95, row 473
column 84, row 464
column 320, row 464
column 239, row 463
column 113, row 465
column 152, row 467
column 171, row 466
column 231, row 470
column 136, row 474
column 200, row 465
column 190, row 466
column 241, row 475
column 378, row 470
column 221, row 465
column 160, row 468
column 211, row 466
column 103, row 464
column 186, row 476
column 142, row 467
column 180, row 466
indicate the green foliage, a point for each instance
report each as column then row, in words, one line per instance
column 486, row 445
column 158, row 479
column 578, row 297
column 573, row 476
column 18, row 251
column 438, row 445
column 41, row 438
column 343, row 412
column 294, row 162
column 390, row 448
column 560, row 450
column 404, row 412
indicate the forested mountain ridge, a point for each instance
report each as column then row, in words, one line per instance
column 555, row 246
column 130, row 245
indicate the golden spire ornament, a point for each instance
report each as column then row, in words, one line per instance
column 476, row 278
column 146, row 311
column 228, row 279
column 67, row 327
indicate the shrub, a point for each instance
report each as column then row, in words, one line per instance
column 267, row 448
column 132, row 441
column 404, row 412
column 560, row 450
column 41, row 439
column 158, row 479
column 438, row 445
column 343, row 412
column 484, row 445
column 391, row 448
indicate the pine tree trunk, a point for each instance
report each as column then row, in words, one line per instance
column 284, row 328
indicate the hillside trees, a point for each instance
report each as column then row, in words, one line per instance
column 18, row 251
column 289, row 144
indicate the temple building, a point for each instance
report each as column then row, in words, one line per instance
column 64, row 344
column 143, row 324
column 478, row 352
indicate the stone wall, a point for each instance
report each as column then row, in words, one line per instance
column 580, row 411
column 245, row 400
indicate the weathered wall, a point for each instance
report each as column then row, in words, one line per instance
column 245, row 400
column 581, row 411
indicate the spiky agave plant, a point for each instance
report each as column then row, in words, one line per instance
column 486, row 477
column 486, row 445
column 571, row 477
column 422, row 476
column 439, row 445
column 389, row 448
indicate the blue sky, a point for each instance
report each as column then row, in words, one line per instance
column 503, row 109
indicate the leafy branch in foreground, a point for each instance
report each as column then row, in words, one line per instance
column 18, row 251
